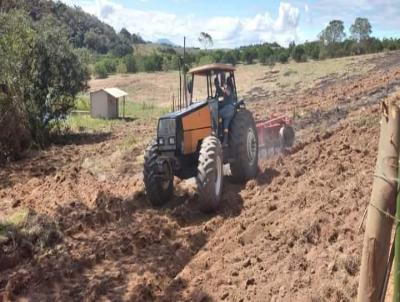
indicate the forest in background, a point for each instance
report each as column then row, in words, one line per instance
column 107, row 51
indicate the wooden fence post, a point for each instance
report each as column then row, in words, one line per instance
column 396, row 269
column 378, row 227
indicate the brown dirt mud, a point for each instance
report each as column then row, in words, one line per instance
column 292, row 234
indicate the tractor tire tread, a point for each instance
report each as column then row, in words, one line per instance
column 240, row 169
column 210, row 149
column 157, row 195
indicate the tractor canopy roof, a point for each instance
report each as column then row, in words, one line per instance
column 211, row 69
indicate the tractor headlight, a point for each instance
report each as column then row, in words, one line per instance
column 167, row 132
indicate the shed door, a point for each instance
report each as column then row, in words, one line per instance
column 112, row 107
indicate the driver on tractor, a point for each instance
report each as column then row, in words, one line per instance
column 226, row 106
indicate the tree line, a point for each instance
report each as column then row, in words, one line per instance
column 109, row 52
column 332, row 43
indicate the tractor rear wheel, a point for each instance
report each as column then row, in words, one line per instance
column 158, row 177
column 244, row 146
column 210, row 177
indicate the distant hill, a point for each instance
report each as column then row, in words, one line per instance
column 165, row 42
column 85, row 30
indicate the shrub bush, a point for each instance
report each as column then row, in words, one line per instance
column 248, row 55
column 206, row 59
column 121, row 68
column 299, row 54
column 229, row 58
column 100, row 70
column 130, row 64
column 152, row 63
column 41, row 74
column 283, row 57
column 265, row 55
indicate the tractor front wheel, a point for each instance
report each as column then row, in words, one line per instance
column 244, row 146
column 209, row 177
column 158, row 177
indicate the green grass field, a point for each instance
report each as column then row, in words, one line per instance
column 150, row 94
column 83, row 122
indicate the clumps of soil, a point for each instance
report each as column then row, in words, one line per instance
column 25, row 234
column 288, row 235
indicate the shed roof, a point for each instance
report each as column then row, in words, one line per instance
column 115, row 92
column 205, row 69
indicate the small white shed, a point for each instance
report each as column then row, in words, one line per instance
column 104, row 103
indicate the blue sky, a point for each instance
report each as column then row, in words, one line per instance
column 233, row 23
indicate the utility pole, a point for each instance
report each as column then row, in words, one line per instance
column 184, row 71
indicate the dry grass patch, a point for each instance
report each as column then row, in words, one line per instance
column 160, row 88
column 27, row 228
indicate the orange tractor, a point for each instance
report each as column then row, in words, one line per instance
column 189, row 142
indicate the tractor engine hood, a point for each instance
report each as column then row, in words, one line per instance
column 181, row 130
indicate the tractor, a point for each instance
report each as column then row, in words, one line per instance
column 189, row 144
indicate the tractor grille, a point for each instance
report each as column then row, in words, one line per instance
column 166, row 134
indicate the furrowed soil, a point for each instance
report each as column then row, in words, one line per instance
column 87, row 232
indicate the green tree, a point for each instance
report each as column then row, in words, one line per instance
column 312, row 49
column 299, row 54
column 137, row 39
column 217, row 55
column 122, row 49
column 205, row 59
column 41, row 74
column 130, row 64
column 374, row 45
column 248, row 55
column 121, row 68
column 96, row 42
column 265, row 54
column 361, row 29
column 15, row 34
column 153, row 62
column 333, row 33
column 229, row 57
column 110, row 64
column 206, row 40
column 292, row 45
column 125, row 34
column 331, row 37
column 57, row 75
column 283, row 56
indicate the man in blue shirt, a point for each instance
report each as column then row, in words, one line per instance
column 227, row 107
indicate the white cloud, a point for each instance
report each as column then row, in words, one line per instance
column 383, row 14
column 226, row 31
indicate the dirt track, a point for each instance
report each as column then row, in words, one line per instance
column 290, row 235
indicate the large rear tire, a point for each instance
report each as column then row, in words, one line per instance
column 244, row 146
column 158, row 177
column 210, row 177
